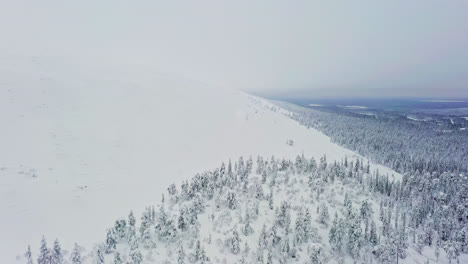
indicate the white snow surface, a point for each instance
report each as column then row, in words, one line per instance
column 79, row 149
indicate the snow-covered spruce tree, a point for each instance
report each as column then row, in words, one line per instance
column 117, row 258
column 182, row 221
column 299, row 229
column 316, row 254
column 110, row 242
column 451, row 251
column 75, row 256
column 246, row 228
column 324, row 216
column 57, row 256
column 283, row 216
column 120, row 229
column 165, row 227
column 270, row 200
column 99, row 255
column 263, row 238
column 131, row 233
column 232, row 201
column 234, row 243
column 135, row 256
column 354, row 235
column 336, row 235
column 28, row 256
column 269, row 258
column 373, row 234
column 180, row 254
column 44, row 253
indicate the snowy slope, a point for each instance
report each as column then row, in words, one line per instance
column 79, row 149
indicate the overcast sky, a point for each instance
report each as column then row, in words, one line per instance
column 304, row 48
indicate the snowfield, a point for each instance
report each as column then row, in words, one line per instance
column 79, row 149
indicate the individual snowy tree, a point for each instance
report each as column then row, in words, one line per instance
column 307, row 225
column 28, row 256
column 366, row 254
column 246, row 250
column 264, row 176
column 259, row 191
column 136, row 257
column 323, row 162
column 182, row 222
column 354, row 236
column 120, row 229
column 316, row 254
column 283, row 215
column 324, row 216
column 348, row 206
column 145, row 222
column 57, row 256
column 270, row 200
column 134, row 243
column 263, row 238
column 99, row 256
column 203, row 257
column 231, row 200
column 146, row 239
column 357, row 166
column 110, row 242
column 420, row 241
column 259, row 255
column 131, row 233
column 381, row 212
column 234, row 243
column 269, row 258
column 366, row 210
column 299, row 229
column 247, row 229
column 44, row 253
column 285, row 247
column 393, row 244
column 165, row 227
column 437, row 248
column 273, row 236
column 451, row 251
column 385, row 252
column 373, row 234
column 181, row 253
column 75, row 256
column 198, row 251
column 117, row 258
column 336, row 235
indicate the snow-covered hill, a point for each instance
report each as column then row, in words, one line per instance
column 79, row 148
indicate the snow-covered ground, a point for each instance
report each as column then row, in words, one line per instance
column 79, row 149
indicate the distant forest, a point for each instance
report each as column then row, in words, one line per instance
column 402, row 144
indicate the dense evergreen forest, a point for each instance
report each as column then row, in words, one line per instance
column 283, row 211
